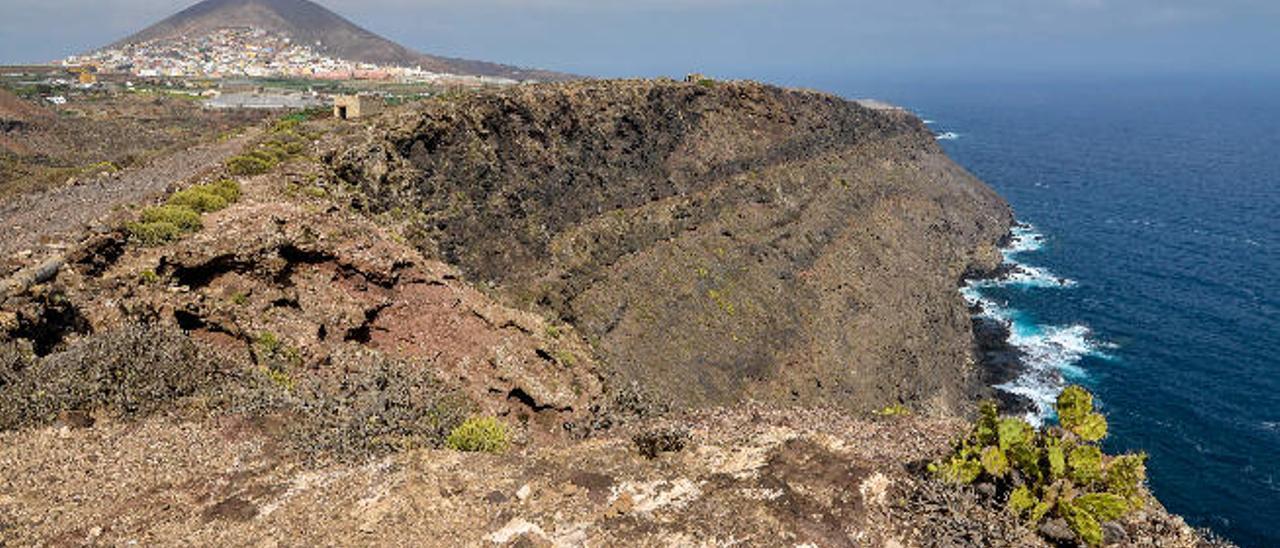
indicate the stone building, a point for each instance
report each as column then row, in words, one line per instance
column 346, row 107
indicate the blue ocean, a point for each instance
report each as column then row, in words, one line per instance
column 1151, row 266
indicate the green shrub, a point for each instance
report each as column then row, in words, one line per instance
column 895, row 410
column 288, row 123
column 276, row 358
column 479, row 435
column 198, row 199
column 152, row 233
column 228, row 189
column 246, row 165
column 1053, row 471
column 207, row 198
column 185, row 218
column 268, row 154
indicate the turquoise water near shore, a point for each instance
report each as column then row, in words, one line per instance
column 1159, row 203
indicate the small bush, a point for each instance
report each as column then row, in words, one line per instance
column 277, row 359
column 198, row 199
column 153, row 233
column 246, row 165
column 895, row 410
column 479, row 435
column 288, row 123
column 228, row 189
column 1055, row 471
column 181, row 213
column 185, row 218
column 268, row 153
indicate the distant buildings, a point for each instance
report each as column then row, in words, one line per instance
column 250, row 52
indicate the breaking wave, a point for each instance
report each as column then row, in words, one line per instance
column 1051, row 354
column 947, row 136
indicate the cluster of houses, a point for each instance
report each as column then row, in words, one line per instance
column 228, row 52
column 248, row 52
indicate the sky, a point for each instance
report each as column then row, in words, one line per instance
column 765, row 39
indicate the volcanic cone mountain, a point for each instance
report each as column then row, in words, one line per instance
column 310, row 23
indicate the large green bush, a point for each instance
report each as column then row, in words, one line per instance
column 1058, row 471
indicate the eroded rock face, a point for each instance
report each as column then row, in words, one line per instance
column 717, row 243
column 301, row 286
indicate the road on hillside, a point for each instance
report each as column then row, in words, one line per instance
column 48, row 220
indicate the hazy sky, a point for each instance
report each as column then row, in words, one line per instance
column 753, row 38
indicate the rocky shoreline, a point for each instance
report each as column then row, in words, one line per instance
column 1007, row 359
column 999, row 360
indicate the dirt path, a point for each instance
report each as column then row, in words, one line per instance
column 51, row 218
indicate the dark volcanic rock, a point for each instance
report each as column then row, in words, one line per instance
column 1000, row 362
column 718, row 243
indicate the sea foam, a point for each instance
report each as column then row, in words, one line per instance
column 1051, row 353
column 947, row 136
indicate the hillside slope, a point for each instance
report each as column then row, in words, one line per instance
column 672, row 304
column 310, row 23
column 717, row 243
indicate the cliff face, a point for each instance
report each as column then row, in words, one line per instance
column 291, row 370
column 716, row 242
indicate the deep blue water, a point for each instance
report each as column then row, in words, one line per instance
column 1161, row 201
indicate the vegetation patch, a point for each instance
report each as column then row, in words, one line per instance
column 369, row 405
column 185, row 218
column 129, row 372
column 1056, row 472
column 895, row 410
column 276, row 359
column 479, row 435
column 375, row 405
column 285, row 140
column 151, row 234
column 246, row 165
column 181, row 213
column 148, row 277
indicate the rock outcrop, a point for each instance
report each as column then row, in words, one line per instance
column 718, row 242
